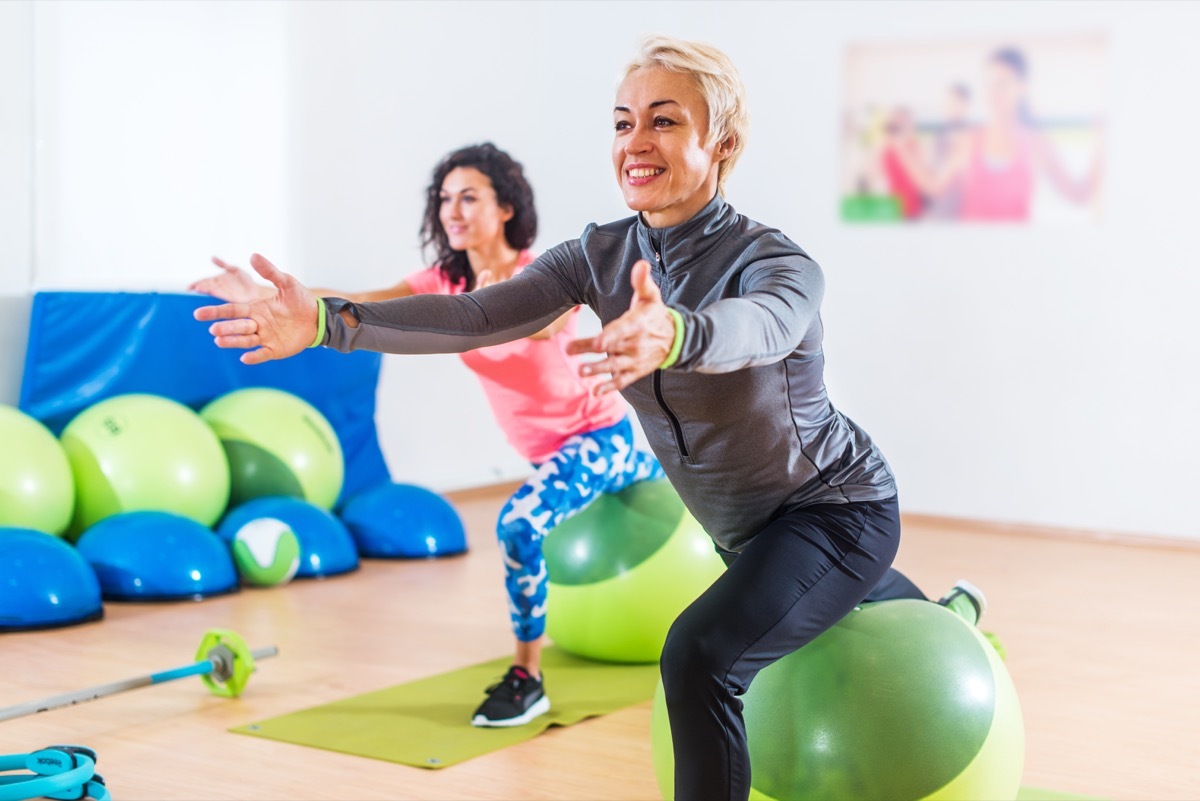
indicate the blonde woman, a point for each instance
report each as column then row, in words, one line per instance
column 712, row 333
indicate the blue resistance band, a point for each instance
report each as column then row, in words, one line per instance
column 66, row 772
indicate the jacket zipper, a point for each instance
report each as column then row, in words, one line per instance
column 676, row 427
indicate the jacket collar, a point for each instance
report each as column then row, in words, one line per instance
column 678, row 245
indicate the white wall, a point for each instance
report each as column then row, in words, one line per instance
column 136, row 139
column 16, row 189
column 1039, row 374
column 1030, row 375
column 1026, row 374
column 378, row 96
column 161, row 139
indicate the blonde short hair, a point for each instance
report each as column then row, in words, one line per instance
column 718, row 81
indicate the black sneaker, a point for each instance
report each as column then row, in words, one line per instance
column 516, row 700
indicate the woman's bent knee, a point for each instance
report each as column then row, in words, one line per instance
column 691, row 658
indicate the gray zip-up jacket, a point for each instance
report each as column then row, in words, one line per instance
column 741, row 422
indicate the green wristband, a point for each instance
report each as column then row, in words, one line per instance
column 320, row 324
column 677, row 344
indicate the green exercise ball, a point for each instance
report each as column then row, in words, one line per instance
column 36, row 488
column 277, row 444
column 900, row 700
column 622, row 570
column 144, row 453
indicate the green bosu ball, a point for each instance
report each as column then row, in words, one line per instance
column 144, row 453
column 900, row 700
column 277, row 444
column 622, row 570
column 37, row 490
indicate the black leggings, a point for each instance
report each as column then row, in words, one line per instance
column 799, row 575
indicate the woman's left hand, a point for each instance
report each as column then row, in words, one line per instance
column 634, row 344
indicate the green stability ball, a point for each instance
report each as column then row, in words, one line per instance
column 900, row 700
column 36, row 488
column 622, row 570
column 277, row 444
column 266, row 552
column 144, row 452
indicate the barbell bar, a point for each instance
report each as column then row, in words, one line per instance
column 223, row 662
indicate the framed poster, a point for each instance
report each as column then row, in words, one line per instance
column 982, row 130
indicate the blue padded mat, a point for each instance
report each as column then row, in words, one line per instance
column 85, row 347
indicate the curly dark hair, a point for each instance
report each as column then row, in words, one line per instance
column 512, row 190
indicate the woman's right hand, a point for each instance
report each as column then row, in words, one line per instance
column 232, row 284
column 274, row 327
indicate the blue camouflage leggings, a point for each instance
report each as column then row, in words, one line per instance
column 586, row 466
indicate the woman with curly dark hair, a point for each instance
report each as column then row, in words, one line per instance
column 479, row 223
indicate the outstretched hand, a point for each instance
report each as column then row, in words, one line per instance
column 484, row 278
column 634, row 344
column 232, row 284
column 277, row 326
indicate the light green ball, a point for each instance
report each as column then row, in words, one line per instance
column 622, row 570
column 267, row 552
column 277, row 444
column 144, row 452
column 37, row 490
column 900, row 700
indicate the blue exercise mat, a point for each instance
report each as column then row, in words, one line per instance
column 85, row 347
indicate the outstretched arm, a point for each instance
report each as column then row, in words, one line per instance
column 486, row 278
column 236, row 286
column 781, row 296
column 288, row 321
column 780, row 299
column 1079, row 189
column 512, row 309
column 398, row 290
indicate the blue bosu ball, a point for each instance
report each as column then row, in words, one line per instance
column 44, row 582
column 326, row 547
column 403, row 521
column 157, row 556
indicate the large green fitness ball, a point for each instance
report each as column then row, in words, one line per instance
column 36, row 487
column 900, row 700
column 277, row 444
column 144, row 452
column 622, row 570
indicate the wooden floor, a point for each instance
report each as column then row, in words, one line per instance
column 1103, row 642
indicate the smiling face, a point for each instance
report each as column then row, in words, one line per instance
column 666, row 167
column 470, row 214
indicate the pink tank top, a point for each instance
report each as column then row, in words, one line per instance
column 533, row 386
column 998, row 191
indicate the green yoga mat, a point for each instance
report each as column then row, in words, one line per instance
column 426, row 723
